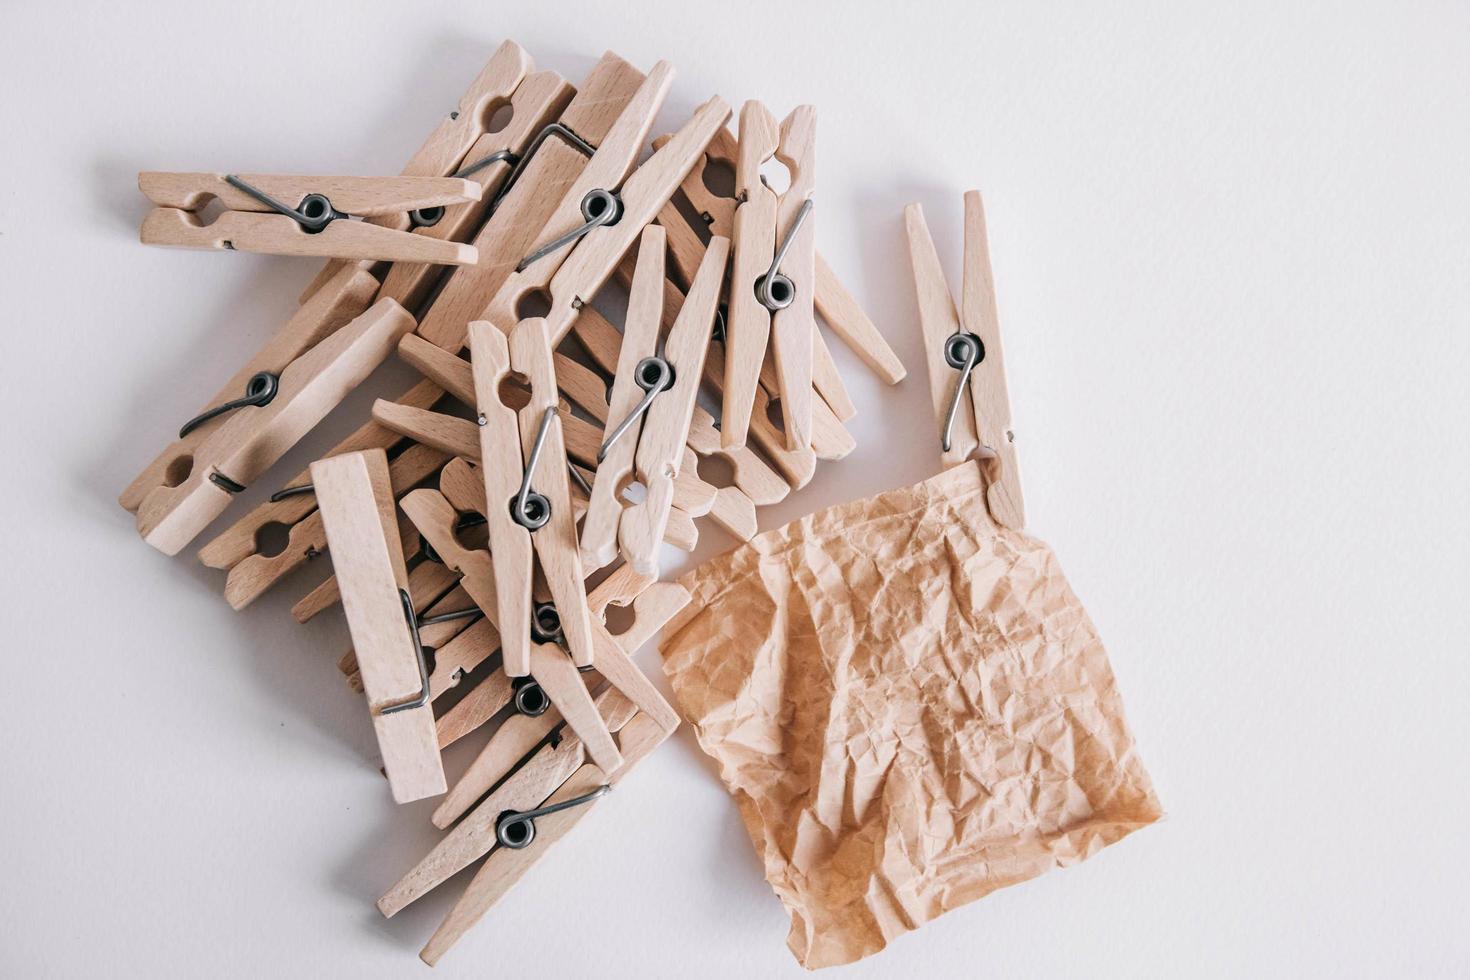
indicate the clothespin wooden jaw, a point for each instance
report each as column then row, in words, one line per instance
column 528, row 499
column 356, row 502
column 966, row 362
column 773, row 278
column 300, row 215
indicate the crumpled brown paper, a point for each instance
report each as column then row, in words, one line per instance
column 911, row 709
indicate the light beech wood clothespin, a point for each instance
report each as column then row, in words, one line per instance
column 543, row 772
column 773, row 277
column 299, row 215
column 528, row 502
column 331, row 307
column 276, row 412
column 458, row 134
column 751, row 474
column 546, row 164
column 357, row 507
column 651, row 408
column 966, row 363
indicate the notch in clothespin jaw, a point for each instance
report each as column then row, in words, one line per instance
column 773, row 277
column 966, row 362
column 356, row 501
column 528, row 496
column 303, row 215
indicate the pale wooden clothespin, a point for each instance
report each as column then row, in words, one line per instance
column 966, row 363
column 283, row 214
column 650, row 410
column 528, row 503
column 773, row 276
column 357, row 507
column 275, row 412
column 462, row 489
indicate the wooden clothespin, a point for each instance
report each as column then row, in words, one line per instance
column 651, row 408
column 357, row 507
column 528, row 502
column 966, row 363
column 295, row 215
column 275, row 412
column 336, row 303
column 773, row 278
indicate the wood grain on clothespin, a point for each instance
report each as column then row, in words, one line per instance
column 981, row 417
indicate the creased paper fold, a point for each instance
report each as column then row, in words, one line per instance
column 911, row 709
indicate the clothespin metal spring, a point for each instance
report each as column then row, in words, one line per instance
column 259, row 390
column 775, row 291
column 653, row 375
column 529, row 509
column 517, row 828
column 422, row 698
column 554, row 129
column 313, row 214
column 429, row 217
column 962, row 351
column 600, row 207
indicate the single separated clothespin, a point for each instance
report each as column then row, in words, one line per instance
column 651, row 407
column 296, row 215
column 773, row 277
column 275, row 412
column 356, row 503
column 528, row 500
column 967, row 375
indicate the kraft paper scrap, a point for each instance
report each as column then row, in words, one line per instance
column 911, row 708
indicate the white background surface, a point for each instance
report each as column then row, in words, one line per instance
column 1230, row 244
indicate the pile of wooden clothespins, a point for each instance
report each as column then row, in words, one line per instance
column 455, row 538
